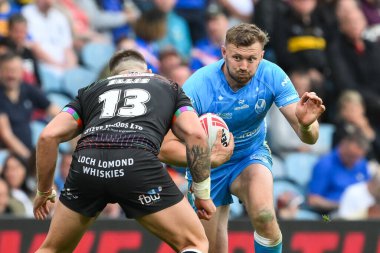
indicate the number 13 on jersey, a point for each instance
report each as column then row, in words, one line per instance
column 134, row 103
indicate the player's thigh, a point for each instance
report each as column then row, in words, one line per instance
column 66, row 229
column 216, row 230
column 178, row 225
column 254, row 186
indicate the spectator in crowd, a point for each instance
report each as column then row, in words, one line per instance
column 358, row 198
column 17, row 102
column 351, row 116
column 207, row 50
column 300, row 44
column 334, row 172
column 17, row 41
column 7, row 9
column 177, row 30
column 4, row 197
column 288, row 205
column 371, row 10
column 8, row 204
column 51, row 35
column 169, row 59
column 238, row 11
column 356, row 64
column 15, row 173
column 121, row 6
column 180, row 74
column 150, row 28
column 193, row 11
column 104, row 21
column 80, row 25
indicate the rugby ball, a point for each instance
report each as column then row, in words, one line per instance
column 211, row 123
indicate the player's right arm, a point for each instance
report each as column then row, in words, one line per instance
column 188, row 128
column 173, row 151
column 60, row 129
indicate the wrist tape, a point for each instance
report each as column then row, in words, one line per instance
column 202, row 189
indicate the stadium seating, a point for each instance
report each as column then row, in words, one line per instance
column 37, row 127
column 77, row 78
column 59, row 99
column 96, row 55
column 299, row 167
column 278, row 167
column 285, row 185
column 51, row 82
column 324, row 143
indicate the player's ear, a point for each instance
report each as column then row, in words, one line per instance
column 223, row 49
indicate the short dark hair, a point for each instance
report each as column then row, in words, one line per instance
column 245, row 35
column 8, row 56
column 124, row 55
column 16, row 18
column 358, row 137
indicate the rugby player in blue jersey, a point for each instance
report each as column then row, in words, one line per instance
column 241, row 88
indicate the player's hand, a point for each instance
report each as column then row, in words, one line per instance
column 309, row 108
column 205, row 208
column 219, row 153
column 40, row 205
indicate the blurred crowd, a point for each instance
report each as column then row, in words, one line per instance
column 51, row 48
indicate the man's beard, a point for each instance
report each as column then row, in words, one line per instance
column 235, row 77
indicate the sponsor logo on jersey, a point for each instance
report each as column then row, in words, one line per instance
column 259, row 157
column 220, row 98
column 225, row 115
column 285, row 81
column 260, row 106
column 152, row 196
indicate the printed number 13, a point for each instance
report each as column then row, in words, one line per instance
column 134, row 103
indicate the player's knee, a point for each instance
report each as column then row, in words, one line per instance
column 197, row 241
column 263, row 218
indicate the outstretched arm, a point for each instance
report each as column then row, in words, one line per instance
column 60, row 129
column 303, row 116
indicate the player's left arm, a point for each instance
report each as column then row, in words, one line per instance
column 303, row 116
column 60, row 129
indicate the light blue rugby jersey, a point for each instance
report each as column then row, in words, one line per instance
column 243, row 110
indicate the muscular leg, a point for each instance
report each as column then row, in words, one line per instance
column 254, row 186
column 216, row 230
column 66, row 229
column 178, row 226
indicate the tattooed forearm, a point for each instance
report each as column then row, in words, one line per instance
column 198, row 160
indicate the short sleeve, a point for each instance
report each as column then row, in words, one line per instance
column 284, row 90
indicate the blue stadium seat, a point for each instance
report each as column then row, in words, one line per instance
column 3, row 155
column 284, row 185
column 278, row 167
column 324, row 143
column 50, row 81
column 59, row 99
column 77, row 78
column 299, row 167
column 37, row 127
column 95, row 56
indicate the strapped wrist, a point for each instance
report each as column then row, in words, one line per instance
column 202, row 189
column 50, row 194
column 305, row 128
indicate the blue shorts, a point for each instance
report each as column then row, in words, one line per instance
column 223, row 176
